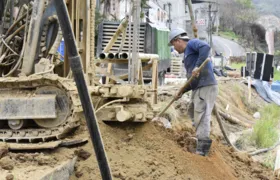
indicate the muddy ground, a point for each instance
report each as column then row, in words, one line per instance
column 139, row 151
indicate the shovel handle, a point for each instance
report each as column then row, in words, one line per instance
column 182, row 90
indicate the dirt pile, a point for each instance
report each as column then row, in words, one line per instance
column 139, row 151
column 148, row 151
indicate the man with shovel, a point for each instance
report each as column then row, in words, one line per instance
column 204, row 85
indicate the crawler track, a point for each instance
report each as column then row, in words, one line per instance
column 37, row 134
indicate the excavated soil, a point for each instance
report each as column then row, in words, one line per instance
column 147, row 151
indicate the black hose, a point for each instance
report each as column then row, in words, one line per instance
column 219, row 119
column 76, row 67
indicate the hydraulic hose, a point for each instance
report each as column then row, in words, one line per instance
column 76, row 67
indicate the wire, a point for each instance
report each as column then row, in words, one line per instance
column 111, row 102
column 8, row 46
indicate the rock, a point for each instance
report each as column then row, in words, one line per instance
column 140, row 173
column 129, row 138
column 243, row 157
column 149, row 161
column 162, row 122
column 3, row 150
column 9, row 177
column 78, row 174
column 120, row 175
column 21, row 158
column 257, row 171
column 156, row 163
column 129, row 178
column 257, row 115
column 233, row 138
column 262, row 177
column 63, row 171
column 81, row 153
column 6, row 163
column 44, row 160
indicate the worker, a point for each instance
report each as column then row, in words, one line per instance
column 204, row 86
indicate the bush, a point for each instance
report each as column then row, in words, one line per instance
column 265, row 130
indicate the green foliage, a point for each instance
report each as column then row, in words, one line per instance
column 239, row 17
column 277, row 53
column 246, row 3
column 276, row 75
column 98, row 19
column 143, row 2
column 267, row 6
column 237, row 65
column 269, row 160
column 265, row 130
column 229, row 34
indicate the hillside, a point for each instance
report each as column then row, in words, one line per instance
column 268, row 6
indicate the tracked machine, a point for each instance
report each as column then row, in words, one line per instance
column 38, row 97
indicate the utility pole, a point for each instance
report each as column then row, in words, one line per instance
column 217, row 19
column 210, row 25
column 169, row 14
column 192, row 18
column 135, row 62
column 97, row 5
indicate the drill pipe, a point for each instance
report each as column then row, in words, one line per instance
column 76, row 67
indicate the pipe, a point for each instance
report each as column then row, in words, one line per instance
column 103, row 55
column 148, row 56
column 111, row 56
column 17, row 21
column 219, row 119
column 117, row 56
column 33, row 37
column 76, row 67
column 144, row 56
column 124, row 56
column 11, row 12
column 121, row 28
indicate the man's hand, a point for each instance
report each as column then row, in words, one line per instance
column 195, row 72
column 178, row 96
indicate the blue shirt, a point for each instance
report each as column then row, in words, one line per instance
column 195, row 54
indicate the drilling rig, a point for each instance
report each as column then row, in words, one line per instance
column 38, row 96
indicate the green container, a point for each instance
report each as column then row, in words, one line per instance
column 161, row 43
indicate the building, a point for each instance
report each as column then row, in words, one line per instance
column 152, row 12
column 177, row 13
column 179, row 16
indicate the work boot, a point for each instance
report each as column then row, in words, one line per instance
column 217, row 72
column 203, row 147
column 223, row 73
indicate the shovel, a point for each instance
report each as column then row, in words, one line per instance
column 181, row 91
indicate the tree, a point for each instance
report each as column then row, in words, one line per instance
column 106, row 7
column 240, row 16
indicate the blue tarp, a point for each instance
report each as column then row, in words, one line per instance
column 265, row 91
column 275, row 86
